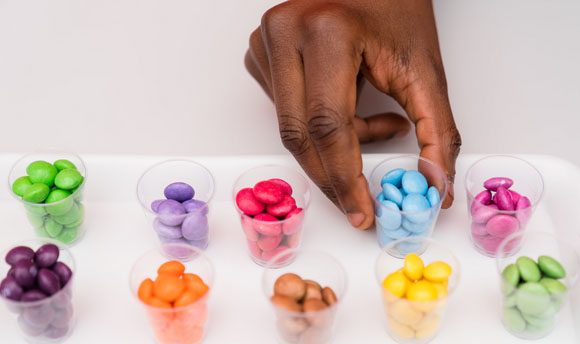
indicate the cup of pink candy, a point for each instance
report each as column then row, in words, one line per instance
column 272, row 202
column 502, row 194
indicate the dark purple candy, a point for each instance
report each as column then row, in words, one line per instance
column 62, row 317
column 39, row 316
column 10, row 272
column 155, row 204
column 25, row 272
column 18, row 253
column 28, row 328
column 32, row 295
column 179, row 191
column 171, row 212
column 55, row 332
column 63, row 272
column 10, row 289
column 48, row 281
column 194, row 205
column 46, row 255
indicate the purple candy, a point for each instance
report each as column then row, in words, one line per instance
column 493, row 183
column 62, row 299
column 171, row 212
column 515, row 197
column 176, row 251
column 25, row 272
column 491, row 243
column 503, row 199
column 55, row 332
column 201, row 244
column 28, row 328
column 48, row 281
column 33, row 295
column 46, row 255
column 195, row 227
column 169, row 232
column 502, row 225
column 194, row 205
column 179, row 191
column 62, row 317
column 39, row 316
column 63, row 272
column 155, row 204
column 483, row 197
column 523, row 210
column 10, row 289
column 483, row 214
column 478, row 229
column 18, row 253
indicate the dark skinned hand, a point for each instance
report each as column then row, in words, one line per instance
column 308, row 56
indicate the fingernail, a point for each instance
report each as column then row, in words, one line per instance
column 356, row 219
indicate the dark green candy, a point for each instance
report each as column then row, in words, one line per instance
column 68, row 179
column 41, row 172
column 36, row 193
column 63, row 164
column 20, row 185
column 551, row 267
column 528, row 269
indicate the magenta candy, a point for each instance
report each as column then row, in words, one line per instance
column 523, row 210
column 479, row 238
column 515, row 197
column 63, row 272
column 46, row 255
column 262, row 225
column 483, row 197
column 268, row 243
column 248, row 227
column 493, row 183
column 18, row 253
column 268, row 255
column 293, row 221
column 503, row 199
column 491, row 243
column 293, row 240
column 478, row 229
column 268, row 192
column 248, row 203
column 502, row 225
column 283, row 208
column 10, row 289
column 25, row 273
column 254, row 249
column 32, row 295
column 483, row 214
column 286, row 188
column 48, row 281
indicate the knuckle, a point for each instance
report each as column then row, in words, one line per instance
column 276, row 20
column 293, row 135
column 256, row 39
column 325, row 125
column 325, row 21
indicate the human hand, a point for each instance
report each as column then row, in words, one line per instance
column 308, row 54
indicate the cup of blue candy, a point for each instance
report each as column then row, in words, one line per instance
column 408, row 192
column 175, row 196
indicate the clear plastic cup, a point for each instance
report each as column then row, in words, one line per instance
column 181, row 325
column 488, row 226
column 288, row 233
column 414, row 322
column 534, row 315
column 63, row 220
column 393, row 224
column 191, row 228
column 313, row 327
column 50, row 320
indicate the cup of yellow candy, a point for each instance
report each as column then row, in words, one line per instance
column 415, row 288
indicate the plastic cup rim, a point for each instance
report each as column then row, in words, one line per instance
column 428, row 210
column 49, row 151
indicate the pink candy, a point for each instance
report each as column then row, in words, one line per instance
column 268, row 192
column 268, row 243
column 286, row 205
column 493, row 183
column 263, row 226
column 293, row 223
column 286, row 188
column 502, row 225
column 503, row 199
column 248, row 203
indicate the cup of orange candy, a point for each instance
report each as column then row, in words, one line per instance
column 416, row 287
column 174, row 292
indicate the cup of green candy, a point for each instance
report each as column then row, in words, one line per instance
column 50, row 187
column 535, row 281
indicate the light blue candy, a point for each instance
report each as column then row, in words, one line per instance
column 389, row 219
column 402, row 192
column 433, row 196
column 407, row 247
column 397, row 233
column 416, row 229
column 416, row 203
column 383, row 238
column 381, row 197
column 393, row 177
column 414, row 182
column 392, row 193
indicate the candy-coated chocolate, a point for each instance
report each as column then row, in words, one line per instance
column 511, row 274
column 400, row 329
column 179, row 191
column 551, row 267
column 170, row 232
column 392, row 194
column 422, row 290
column 433, row 196
column 36, row 193
column 396, row 233
column 171, row 212
column 267, row 224
column 63, row 164
column 268, row 243
column 493, row 183
column 68, row 179
column 248, row 228
column 46, row 255
column 195, row 227
column 413, row 182
column 58, row 195
column 20, row 185
column 553, row 285
column 155, row 204
column 168, row 288
column 63, row 272
column 171, row 268
column 293, row 221
column 195, row 205
column 427, row 326
column 528, row 269
column 515, row 197
column 478, row 229
column 413, row 267
column 490, row 243
column 268, row 192
column 10, row 289
column 437, row 271
column 503, row 200
column 532, row 298
column 48, row 282
column 247, row 202
column 41, row 172
column 32, row 296
column 416, row 229
column 403, row 312
column 285, row 206
column 397, row 284
column 483, row 213
column 145, row 291
column 523, row 210
column 416, row 203
column 390, row 219
column 25, row 272
column 286, row 188
column 393, row 177
column 17, row 253
column 502, row 225
column 514, row 319
column 482, row 198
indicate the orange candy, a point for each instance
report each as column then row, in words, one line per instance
column 171, row 268
column 155, row 302
column 168, row 288
column 195, row 283
column 145, row 291
column 187, row 297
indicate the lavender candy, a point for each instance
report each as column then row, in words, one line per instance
column 28, row 328
column 201, row 244
column 171, row 212
column 179, row 191
column 195, row 205
column 195, row 227
column 38, row 316
column 53, row 332
column 155, row 204
column 165, row 231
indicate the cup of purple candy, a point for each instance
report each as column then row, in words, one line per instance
column 175, row 196
column 37, row 288
column 502, row 194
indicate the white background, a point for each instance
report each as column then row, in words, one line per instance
column 167, row 77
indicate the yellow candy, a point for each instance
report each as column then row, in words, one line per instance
column 400, row 329
column 441, row 290
column 397, row 283
column 413, row 267
column 404, row 313
column 422, row 291
column 437, row 271
column 427, row 326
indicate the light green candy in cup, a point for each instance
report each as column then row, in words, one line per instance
column 514, row 319
column 41, row 172
column 73, row 215
column 35, row 220
column 532, row 298
column 67, row 235
column 35, row 210
column 63, row 164
column 20, row 185
column 512, row 278
column 553, row 286
column 543, row 326
column 68, row 179
column 510, row 301
column 528, row 269
column 551, row 267
column 59, row 209
column 52, row 227
column 36, row 193
column 41, row 232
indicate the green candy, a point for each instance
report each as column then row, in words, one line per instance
column 63, row 164
column 532, row 298
column 36, row 193
column 20, row 185
column 510, row 301
column 41, row 232
column 543, row 327
column 511, row 275
column 514, row 319
column 68, row 179
column 59, row 209
column 67, row 235
column 52, row 227
column 528, row 269
column 35, row 210
column 41, row 172
column 73, row 215
column 35, row 220
column 551, row 267
column 553, row 286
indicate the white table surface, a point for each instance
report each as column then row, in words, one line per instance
column 167, row 77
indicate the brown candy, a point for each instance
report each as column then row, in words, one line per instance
column 286, row 303
column 329, row 296
column 290, row 285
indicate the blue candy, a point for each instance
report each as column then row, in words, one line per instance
column 383, row 238
column 416, row 203
column 381, row 197
column 416, row 229
column 402, row 192
column 433, row 196
column 407, row 247
column 397, row 233
column 389, row 219
column 414, row 182
column 392, row 193
column 393, row 177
